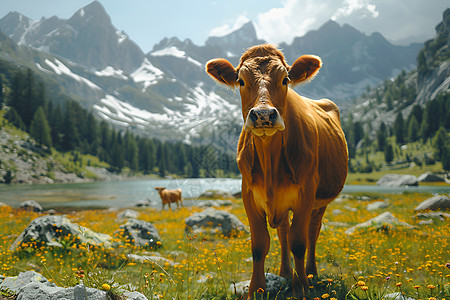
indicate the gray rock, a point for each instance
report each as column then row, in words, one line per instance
column 143, row 203
column 216, row 194
column 3, row 204
column 379, row 222
column 50, row 230
column 214, row 203
column 31, row 205
column 397, row 296
column 276, row 286
column 214, row 221
column 430, row 177
column 128, row 214
column 395, row 180
column 134, row 296
column 152, row 257
column 378, row 205
column 441, row 216
column 440, row 202
column 140, row 233
column 31, row 285
column 426, row 222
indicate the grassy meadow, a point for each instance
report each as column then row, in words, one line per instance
column 366, row 265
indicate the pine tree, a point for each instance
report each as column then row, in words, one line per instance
column 399, row 128
column 2, row 99
column 388, row 153
column 381, row 137
column 39, row 128
column 413, row 129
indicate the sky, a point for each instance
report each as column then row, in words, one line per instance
column 148, row 21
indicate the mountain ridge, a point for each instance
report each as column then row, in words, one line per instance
column 167, row 88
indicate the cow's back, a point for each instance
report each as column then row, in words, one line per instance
column 333, row 162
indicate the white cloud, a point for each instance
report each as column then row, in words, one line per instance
column 363, row 9
column 226, row 28
column 297, row 17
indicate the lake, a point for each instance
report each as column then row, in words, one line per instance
column 126, row 193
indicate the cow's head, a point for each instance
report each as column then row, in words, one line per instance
column 263, row 78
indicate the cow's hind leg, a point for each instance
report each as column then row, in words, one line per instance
column 285, row 268
column 313, row 234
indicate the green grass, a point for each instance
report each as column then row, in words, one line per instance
column 415, row 257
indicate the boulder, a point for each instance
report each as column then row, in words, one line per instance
column 143, row 203
column 52, row 230
column 128, row 214
column 140, row 233
column 276, row 287
column 31, row 205
column 384, row 221
column 395, row 180
column 152, row 257
column 214, row 221
column 438, row 215
column 378, row 205
column 32, row 285
column 430, row 177
column 216, row 194
column 3, row 204
column 439, row 202
column 214, row 203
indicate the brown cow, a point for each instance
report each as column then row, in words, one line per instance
column 292, row 155
column 169, row 196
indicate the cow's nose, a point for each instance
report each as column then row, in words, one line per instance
column 263, row 116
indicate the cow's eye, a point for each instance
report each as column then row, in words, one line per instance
column 285, row 80
column 241, row 82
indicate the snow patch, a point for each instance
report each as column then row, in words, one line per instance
column 121, row 36
column 147, row 74
column 174, row 51
column 61, row 69
column 111, row 72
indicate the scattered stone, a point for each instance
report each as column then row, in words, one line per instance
column 51, row 230
column 140, row 233
column 430, row 177
column 441, row 216
column 336, row 212
column 378, row 205
column 153, row 257
column 32, row 285
column 363, row 198
column 31, row 205
column 214, row 203
column 337, row 224
column 276, row 287
column 214, row 221
column 397, row 296
column 143, row 203
column 439, row 202
column 426, row 222
column 395, row 180
column 349, row 208
column 3, row 204
column 128, row 214
column 216, row 194
column 381, row 222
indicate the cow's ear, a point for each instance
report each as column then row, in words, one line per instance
column 222, row 70
column 304, row 69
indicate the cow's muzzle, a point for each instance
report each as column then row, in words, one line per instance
column 264, row 120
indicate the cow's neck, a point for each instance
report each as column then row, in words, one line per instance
column 268, row 154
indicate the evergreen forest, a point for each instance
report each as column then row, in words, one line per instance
column 66, row 126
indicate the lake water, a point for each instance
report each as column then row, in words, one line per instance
column 126, row 193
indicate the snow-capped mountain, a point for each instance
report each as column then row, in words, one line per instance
column 166, row 92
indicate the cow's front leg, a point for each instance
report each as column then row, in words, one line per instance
column 260, row 247
column 285, row 268
column 298, row 241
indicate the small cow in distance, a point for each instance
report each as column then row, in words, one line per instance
column 292, row 155
column 169, row 196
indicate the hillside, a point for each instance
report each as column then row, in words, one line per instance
column 410, row 114
column 166, row 93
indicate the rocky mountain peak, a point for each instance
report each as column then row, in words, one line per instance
column 93, row 14
column 237, row 40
